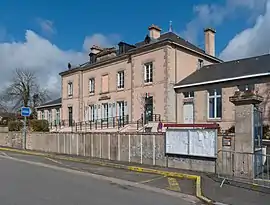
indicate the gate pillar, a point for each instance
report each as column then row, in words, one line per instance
column 243, row 158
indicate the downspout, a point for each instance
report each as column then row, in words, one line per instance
column 80, row 96
column 175, row 79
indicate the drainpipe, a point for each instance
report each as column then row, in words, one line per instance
column 175, row 81
column 80, row 95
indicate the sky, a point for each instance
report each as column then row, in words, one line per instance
column 46, row 35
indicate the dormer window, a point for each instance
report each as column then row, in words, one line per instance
column 92, row 58
column 147, row 39
column 200, row 64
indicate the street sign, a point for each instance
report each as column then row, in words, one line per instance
column 25, row 111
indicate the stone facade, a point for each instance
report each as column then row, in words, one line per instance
column 171, row 63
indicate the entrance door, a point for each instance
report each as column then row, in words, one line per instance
column 149, row 109
column 188, row 113
column 70, row 116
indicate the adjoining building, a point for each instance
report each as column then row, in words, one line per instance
column 203, row 96
column 51, row 111
column 134, row 82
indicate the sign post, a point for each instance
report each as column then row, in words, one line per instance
column 25, row 112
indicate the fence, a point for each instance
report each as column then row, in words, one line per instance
column 244, row 167
column 143, row 148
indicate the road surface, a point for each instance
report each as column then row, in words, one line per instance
column 30, row 183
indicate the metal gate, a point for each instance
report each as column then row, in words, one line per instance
column 257, row 141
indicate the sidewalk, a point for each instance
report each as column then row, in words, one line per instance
column 209, row 184
column 227, row 194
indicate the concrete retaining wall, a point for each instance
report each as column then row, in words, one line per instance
column 143, row 148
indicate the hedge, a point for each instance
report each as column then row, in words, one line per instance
column 35, row 125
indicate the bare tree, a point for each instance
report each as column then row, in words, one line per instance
column 24, row 90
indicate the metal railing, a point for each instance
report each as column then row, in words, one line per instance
column 150, row 118
column 244, row 167
column 112, row 122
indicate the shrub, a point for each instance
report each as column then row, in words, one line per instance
column 39, row 125
column 15, row 125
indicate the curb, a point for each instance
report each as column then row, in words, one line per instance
column 196, row 178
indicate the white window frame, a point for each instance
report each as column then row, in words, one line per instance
column 92, row 113
column 215, row 97
column 105, row 107
column 43, row 115
column 70, row 89
column 121, row 79
column 121, row 108
column 92, row 85
column 57, row 115
column 49, row 116
column 148, row 73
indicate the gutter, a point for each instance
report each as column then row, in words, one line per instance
column 221, row 80
column 52, row 105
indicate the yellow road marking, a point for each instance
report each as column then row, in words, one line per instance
column 173, row 184
column 150, row 180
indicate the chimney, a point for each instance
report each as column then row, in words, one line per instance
column 209, row 41
column 96, row 49
column 154, row 31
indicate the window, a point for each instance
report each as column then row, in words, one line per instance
column 148, row 73
column 250, row 87
column 92, row 85
column 214, row 104
column 42, row 115
column 70, row 89
column 92, row 112
column 200, row 63
column 57, row 116
column 50, row 115
column 121, row 108
column 188, row 94
column 105, row 110
column 120, row 79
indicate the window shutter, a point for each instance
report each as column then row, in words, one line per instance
column 110, row 110
column 114, row 110
column 118, row 79
column 126, row 108
column 145, row 73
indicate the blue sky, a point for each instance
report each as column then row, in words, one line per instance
column 73, row 20
column 45, row 35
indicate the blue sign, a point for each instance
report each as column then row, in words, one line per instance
column 25, row 111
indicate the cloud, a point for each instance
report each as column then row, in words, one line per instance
column 215, row 14
column 46, row 59
column 101, row 40
column 47, row 26
column 252, row 41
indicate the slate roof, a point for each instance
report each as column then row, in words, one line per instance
column 227, row 70
column 52, row 102
column 170, row 36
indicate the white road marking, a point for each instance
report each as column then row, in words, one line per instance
column 185, row 197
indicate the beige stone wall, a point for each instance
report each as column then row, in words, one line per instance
column 140, row 148
column 170, row 65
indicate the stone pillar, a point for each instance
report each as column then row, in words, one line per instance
column 243, row 157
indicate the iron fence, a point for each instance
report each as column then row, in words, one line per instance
column 112, row 122
column 244, row 167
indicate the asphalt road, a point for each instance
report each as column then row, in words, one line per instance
column 26, row 182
